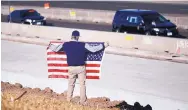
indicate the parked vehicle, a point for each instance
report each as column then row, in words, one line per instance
column 26, row 16
column 146, row 22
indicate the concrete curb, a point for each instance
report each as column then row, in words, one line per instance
column 120, row 40
column 109, row 50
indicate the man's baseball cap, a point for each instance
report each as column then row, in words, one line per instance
column 76, row 33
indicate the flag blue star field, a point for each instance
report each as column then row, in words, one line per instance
column 58, row 67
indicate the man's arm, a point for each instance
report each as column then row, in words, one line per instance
column 56, row 48
column 97, row 48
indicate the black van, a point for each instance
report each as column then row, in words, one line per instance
column 146, row 22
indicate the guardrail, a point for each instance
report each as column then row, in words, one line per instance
column 100, row 16
column 120, row 40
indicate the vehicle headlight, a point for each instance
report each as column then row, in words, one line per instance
column 33, row 20
column 28, row 20
column 156, row 29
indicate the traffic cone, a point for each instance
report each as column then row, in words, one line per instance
column 46, row 5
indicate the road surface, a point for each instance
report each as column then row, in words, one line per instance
column 161, row 84
column 87, row 26
column 166, row 8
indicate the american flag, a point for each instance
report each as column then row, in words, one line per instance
column 58, row 67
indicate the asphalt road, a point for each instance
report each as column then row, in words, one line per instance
column 161, row 84
column 166, row 8
column 87, row 26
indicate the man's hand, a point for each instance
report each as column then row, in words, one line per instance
column 52, row 47
column 56, row 48
column 106, row 44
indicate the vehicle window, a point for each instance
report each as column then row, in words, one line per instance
column 15, row 14
column 154, row 17
column 133, row 19
column 123, row 16
column 120, row 16
column 31, row 13
column 117, row 15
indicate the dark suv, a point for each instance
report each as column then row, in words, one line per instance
column 26, row 16
column 143, row 22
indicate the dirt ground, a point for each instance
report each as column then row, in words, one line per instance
column 17, row 97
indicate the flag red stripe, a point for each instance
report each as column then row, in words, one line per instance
column 66, row 70
column 92, row 77
column 57, row 70
column 66, row 76
column 92, row 65
column 61, row 59
column 58, row 76
column 61, row 65
column 92, row 71
column 66, row 65
column 55, row 53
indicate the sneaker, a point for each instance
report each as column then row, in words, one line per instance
column 83, row 103
column 148, row 107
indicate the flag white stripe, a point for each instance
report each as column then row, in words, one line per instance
column 56, row 62
column 51, row 51
column 57, row 67
column 57, row 73
column 93, row 62
column 56, row 56
column 93, row 74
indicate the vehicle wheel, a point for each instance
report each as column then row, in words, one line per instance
column 9, row 21
column 179, row 36
column 147, row 33
column 22, row 22
column 125, row 32
column 44, row 23
column 117, row 30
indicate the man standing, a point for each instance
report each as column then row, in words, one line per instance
column 76, row 53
